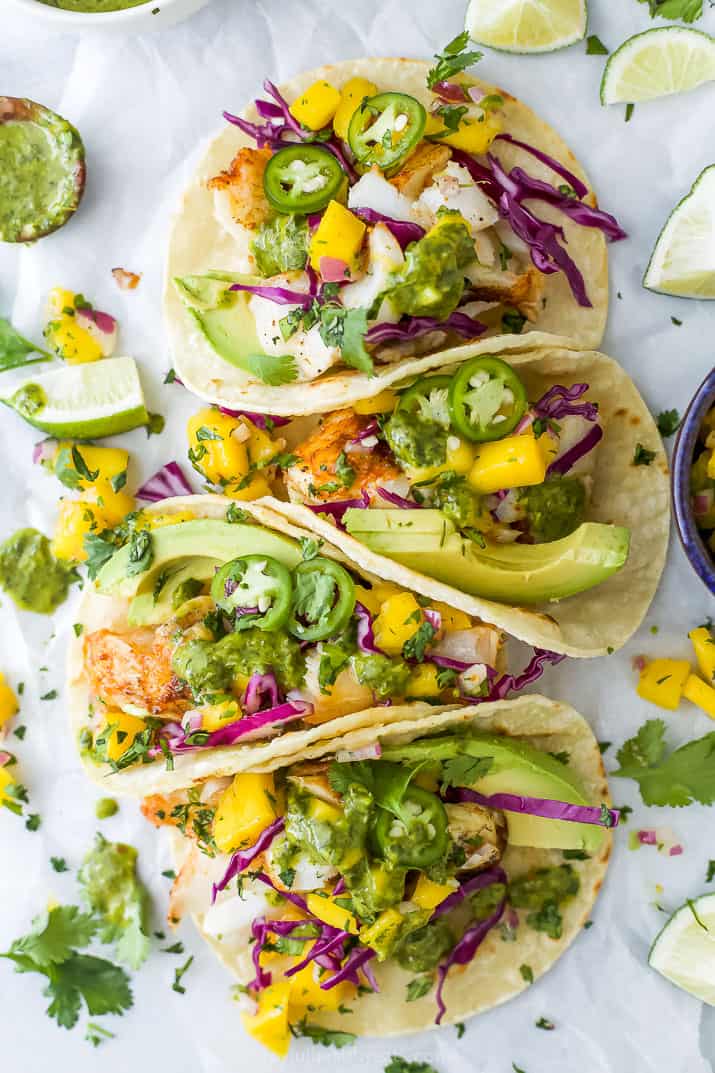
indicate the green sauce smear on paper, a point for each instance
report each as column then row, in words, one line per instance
column 31, row 575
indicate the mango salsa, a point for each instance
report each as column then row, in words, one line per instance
column 700, row 694
column 245, row 808
column 113, row 742
column 316, row 106
column 269, row 1025
column 474, row 134
column 662, row 682
column 514, row 462
column 75, row 520
column 339, row 235
column 704, row 646
column 327, row 910
column 351, row 96
column 8, row 702
column 399, row 619
column 306, row 994
column 428, row 894
column 382, row 403
column 423, row 681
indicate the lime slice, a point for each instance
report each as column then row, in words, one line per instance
column 683, row 261
column 668, row 59
column 83, row 402
column 526, row 25
column 684, row 951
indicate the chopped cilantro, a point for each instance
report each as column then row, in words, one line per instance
column 323, row 1037
column 179, row 975
column 687, row 775
column 668, row 421
column 527, row 973
column 59, row 864
column 451, row 60
column 418, row 987
column 642, row 456
column 595, row 46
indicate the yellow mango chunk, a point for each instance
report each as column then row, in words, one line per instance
column 124, row 729
column 700, row 694
column 399, row 619
column 244, row 809
column 428, row 894
column 423, row 681
column 107, row 462
column 377, row 934
column 75, row 520
column 307, row 994
column 8, row 702
column 374, row 598
column 382, row 403
column 217, row 446
column 111, row 506
column 704, row 645
column 269, row 1025
column 662, row 682
column 452, row 619
column 72, row 342
column 316, row 106
column 474, row 135
column 6, row 781
column 513, row 462
column 215, row 716
column 351, row 96
column 258, row 486
column 329, row 912
column 339, row 235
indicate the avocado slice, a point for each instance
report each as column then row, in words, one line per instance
column 204, row 538
column 517, row 768
column 511, row 573
column 222, row 315
column 149, row 608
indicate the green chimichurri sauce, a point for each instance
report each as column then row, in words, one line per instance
column 93, row 6
column 31, row 575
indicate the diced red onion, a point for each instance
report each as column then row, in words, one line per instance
column 405, row 231
column 570, row 458
column 167, row 482
column 396, row 500
column 702, row 502
column 451, row 91
column 434, row 618
column 365, row 635
column 675, row 851
column 538, row 806
column 258, row 686
column 333, row 270
column 5, row 758
column 352, row 756
column 647, row 837
column 241, row 860
column 44, row 450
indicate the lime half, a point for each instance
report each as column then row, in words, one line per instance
column 526, row 25
column 683, row 261
column 684, row 952
column 656, row 63
column 83, row 402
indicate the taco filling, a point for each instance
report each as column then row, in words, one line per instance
column 470, row 481
column 404, row 856
column 368, row 224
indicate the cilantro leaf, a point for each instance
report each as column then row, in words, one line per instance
column 346, row 329
column 14, row 348
column 595, row 46
column 141, row 551
column 668, row 421
column 642, row 456
column 402, row 1065
column 711, row 872
column 324, row 1037
column 451, row 60
column 687, row 775
column 676, row 10
column 100, row 548
column 273, row 369
column 103, row 986
column 55, row 934
column 415, row 646
column 81, row 466
column 418, row 987
column 465, row 770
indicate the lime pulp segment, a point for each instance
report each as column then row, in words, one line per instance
column 683, row 261
column 526, row 25
column 656, row 63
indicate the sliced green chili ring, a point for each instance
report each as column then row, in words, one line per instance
column 491, row 408
column 323, row 599
column 302, row 179
column 385, row 129
column 412, row 399
column 418, row 838
column 241, row 585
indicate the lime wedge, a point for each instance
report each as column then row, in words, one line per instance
column 83, row 402
column 683, row 261
column 668, row 59
column 526, row 25
column 684, row 951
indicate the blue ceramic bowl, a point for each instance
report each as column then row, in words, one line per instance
column 694, row 546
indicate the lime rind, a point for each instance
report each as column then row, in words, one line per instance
column 683, row 260
column 684, row 949
column 656, row 69
column 102, row 398
column 531, row 24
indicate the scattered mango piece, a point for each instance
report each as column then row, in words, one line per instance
column 513, row 462
column 704, row 646
column 339, row 236
column 269, row 1025
column 9, row 706
column 662, row 681
column 700, row 694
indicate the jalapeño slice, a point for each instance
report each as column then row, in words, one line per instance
column 323, row 599
column 302, row 179
column 418, row 837
column 428, row 396
column 256, row 589
column 487, row 400
column 385, row 129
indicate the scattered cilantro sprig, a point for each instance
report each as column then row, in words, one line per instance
column 685, row 776
column 451, row 60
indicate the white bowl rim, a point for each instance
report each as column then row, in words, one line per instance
column 95, row 18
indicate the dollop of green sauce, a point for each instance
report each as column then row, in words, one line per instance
column 32, row 171
column 555, row 508
column 29, row 400
column 115, row 894
column 415, row 440
column 31, row 575
column 90, row 7
column 210, row 667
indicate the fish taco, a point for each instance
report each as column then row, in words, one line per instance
column 407, row 875
column 217, row 638
column 369, row 211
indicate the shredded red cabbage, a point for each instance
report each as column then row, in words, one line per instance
column 539, row 806
column 337, row 507
column 365, row 635
column 570, row 458
column 579, row 188
column 168, row 481
column 414, row 327
column 356, row 960
column 495, row 874
column 280, row 295
column 405, row 231
column 500, row 688
column 259, row 686
column 562, row 401
column 261, row 421
column 452, row 664
column 396, row 500
column 241, row 860
column 250, row 727
column 371, row 429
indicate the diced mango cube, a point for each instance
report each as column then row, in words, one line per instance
column 8, row 702
column 307, row 994
column 337, row 916
column 428, row 894
column 452, row 619
column 76, row 519
column 118, row 733
column 704, row 645
column 217, row 446
column 352, row 95
column 257, row 486
column 513, row 462
column 474, row 134
column 244, row 809
column 662, row 682
column 71, row 341
column 460, row 458
column 399, row 619
column 109, row 463
column 381, row 934
column 6, row 781
column 339, row 235
column 316, row 106
column 109, row 506
column 423, row 681
column 215, row 716
column 374, row 598
column 700, row 693
column 269, row 1025
column 382, row 403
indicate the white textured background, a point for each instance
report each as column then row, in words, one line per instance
column 143, row 105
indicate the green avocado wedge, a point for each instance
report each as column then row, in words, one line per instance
column 176, row 546
column 222, row 315
column 42, row 170
column 516, row 768
column 426, row 541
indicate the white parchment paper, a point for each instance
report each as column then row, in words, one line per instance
column 144, row 104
